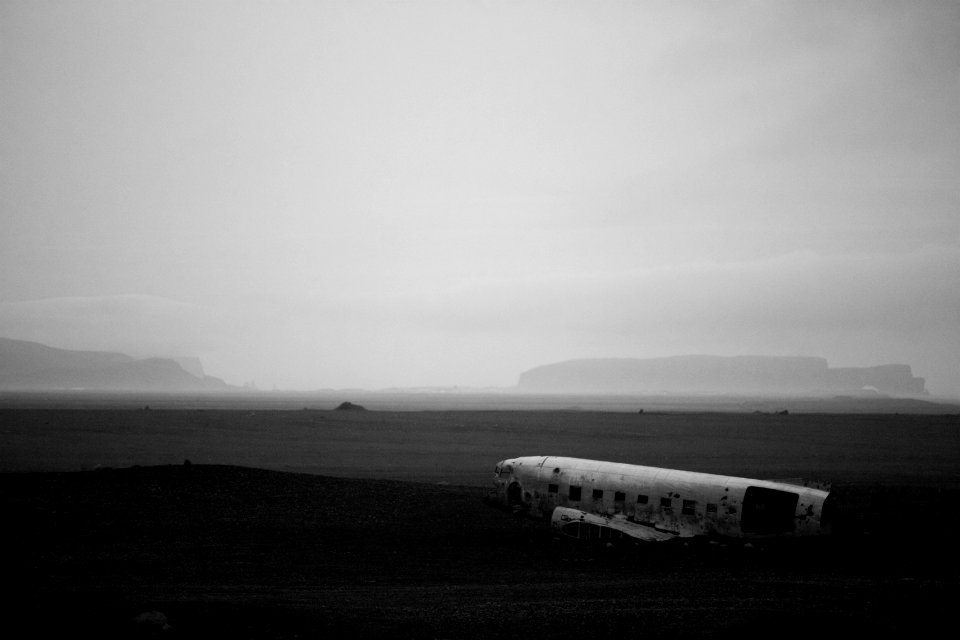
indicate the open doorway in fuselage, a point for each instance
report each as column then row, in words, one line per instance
column 514, row 495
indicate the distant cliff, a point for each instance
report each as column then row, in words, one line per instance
column 30, row 366
column 716, row 375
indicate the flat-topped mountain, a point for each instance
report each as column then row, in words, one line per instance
column 31, row 366
column 718, row 375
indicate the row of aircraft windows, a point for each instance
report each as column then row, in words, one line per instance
column 689, row 506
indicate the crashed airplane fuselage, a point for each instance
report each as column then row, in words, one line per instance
column 591, row 499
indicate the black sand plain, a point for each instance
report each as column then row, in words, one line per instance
column 313, row 522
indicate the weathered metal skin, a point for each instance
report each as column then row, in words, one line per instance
column 685, row 504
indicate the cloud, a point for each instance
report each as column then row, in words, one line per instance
column 853, row 310
column 426, row 194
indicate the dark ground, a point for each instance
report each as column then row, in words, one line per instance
column 242, row 552
column 462, row 447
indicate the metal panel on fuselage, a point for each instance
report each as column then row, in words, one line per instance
column 685, row 502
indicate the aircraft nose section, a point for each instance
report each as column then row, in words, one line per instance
column 496, row 496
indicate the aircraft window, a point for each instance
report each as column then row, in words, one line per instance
column 711, row 508
column 552, row 488
column 598, row 494
column 574, row 493
column 666, row 502
column 619, row 496
column 689, row 507
column 642, row 499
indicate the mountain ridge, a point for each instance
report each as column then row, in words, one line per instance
column 724, row 375
column 32, row 366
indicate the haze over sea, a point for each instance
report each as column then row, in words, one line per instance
column 309, row 195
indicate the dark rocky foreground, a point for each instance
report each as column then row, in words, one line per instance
column 216, row 551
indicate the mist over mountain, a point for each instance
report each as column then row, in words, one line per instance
column 702, row 374
column 36, row 367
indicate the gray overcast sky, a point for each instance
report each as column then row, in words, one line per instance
column 335, row 194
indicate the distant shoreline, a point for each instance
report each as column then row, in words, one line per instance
column 480, row 400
